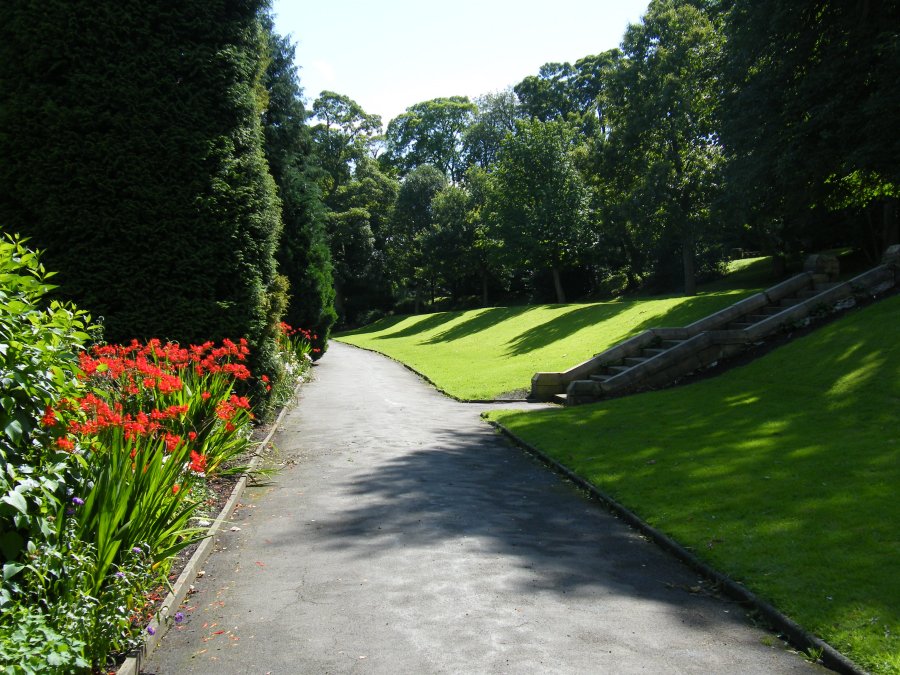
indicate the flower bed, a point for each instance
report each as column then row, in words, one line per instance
column 105, row 454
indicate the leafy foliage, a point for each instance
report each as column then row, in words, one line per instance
column 808, row 120
column 538, row 202
column 431, row 133
column 303, row 254
column 39, row 345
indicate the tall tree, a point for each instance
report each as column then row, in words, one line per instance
column 303, row 254
column 664, row 133
column 538, row 202
column 132, row 152
column 547, row 95
column 810, row 118
column 431, row 133
column 345, row 134
column 412, row 221
column 360, row 221
column 495, row 117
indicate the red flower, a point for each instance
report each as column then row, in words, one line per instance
column 172, row 442
column 49, row 418
column 65, row 444
column 198, row 462
column 175, row 488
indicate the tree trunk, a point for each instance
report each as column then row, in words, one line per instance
column 779, row 265
column 418, row 304
column 690, row 269
column 557, row 284
column 484, row 288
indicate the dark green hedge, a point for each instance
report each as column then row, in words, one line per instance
column 131, row 152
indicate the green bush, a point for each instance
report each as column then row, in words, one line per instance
column 39, row 345
column 40, row 341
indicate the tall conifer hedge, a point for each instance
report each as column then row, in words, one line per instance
column 131, row 152
column 303, row 255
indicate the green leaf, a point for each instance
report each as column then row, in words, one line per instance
column 16, row 500
column 14, row 431
column 11, row 569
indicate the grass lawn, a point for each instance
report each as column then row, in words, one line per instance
column 484, row 353
column 784, row 474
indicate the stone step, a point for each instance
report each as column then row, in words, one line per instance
column 756, row 318
column 769, row 310
column 559, row 398
column 668, row 344
column 790, row 302
column 739, row 325
column 827, row 286
column 634, row 360
column 617, row 370
column 600, row 378
column 820, row 278
column 650, row 352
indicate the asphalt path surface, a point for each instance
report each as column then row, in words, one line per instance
column 403, row 535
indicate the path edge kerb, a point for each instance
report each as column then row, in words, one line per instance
column 161, row 623
column 796, row 634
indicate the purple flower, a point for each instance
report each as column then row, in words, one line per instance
column 179, row 617
column 151, row 630
column 77, row 501
column 136, row 550
column 120, row 575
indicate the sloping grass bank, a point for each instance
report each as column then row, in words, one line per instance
column 485, row 353
column 783, row 474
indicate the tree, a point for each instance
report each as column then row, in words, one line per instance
column 663, row 129
column 809, row 120
column 538, row 202
column 411, row 223
column 136, row 163
column 303, row 254
column 547, row 95
column 360, row 218
column 495, row 117
column 344, row 136
column 431, row 133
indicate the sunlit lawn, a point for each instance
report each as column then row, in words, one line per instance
column 784, row 474
column 484, row 353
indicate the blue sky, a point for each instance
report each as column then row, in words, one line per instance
column 390, row 54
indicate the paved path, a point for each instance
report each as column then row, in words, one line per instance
column 405, row 536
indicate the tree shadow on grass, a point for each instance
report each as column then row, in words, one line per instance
column 479, row 322
column 742, row 463
column 425, row 324
column 374, row 327
column 571, row 322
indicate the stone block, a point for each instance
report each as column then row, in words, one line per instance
column 822, row 264
column 891, row 255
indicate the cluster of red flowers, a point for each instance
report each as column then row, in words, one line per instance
column 226, row 410
column 290, row 332
column 141, row 363
column 124, row 371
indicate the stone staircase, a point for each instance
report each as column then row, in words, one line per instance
column 659, row 356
